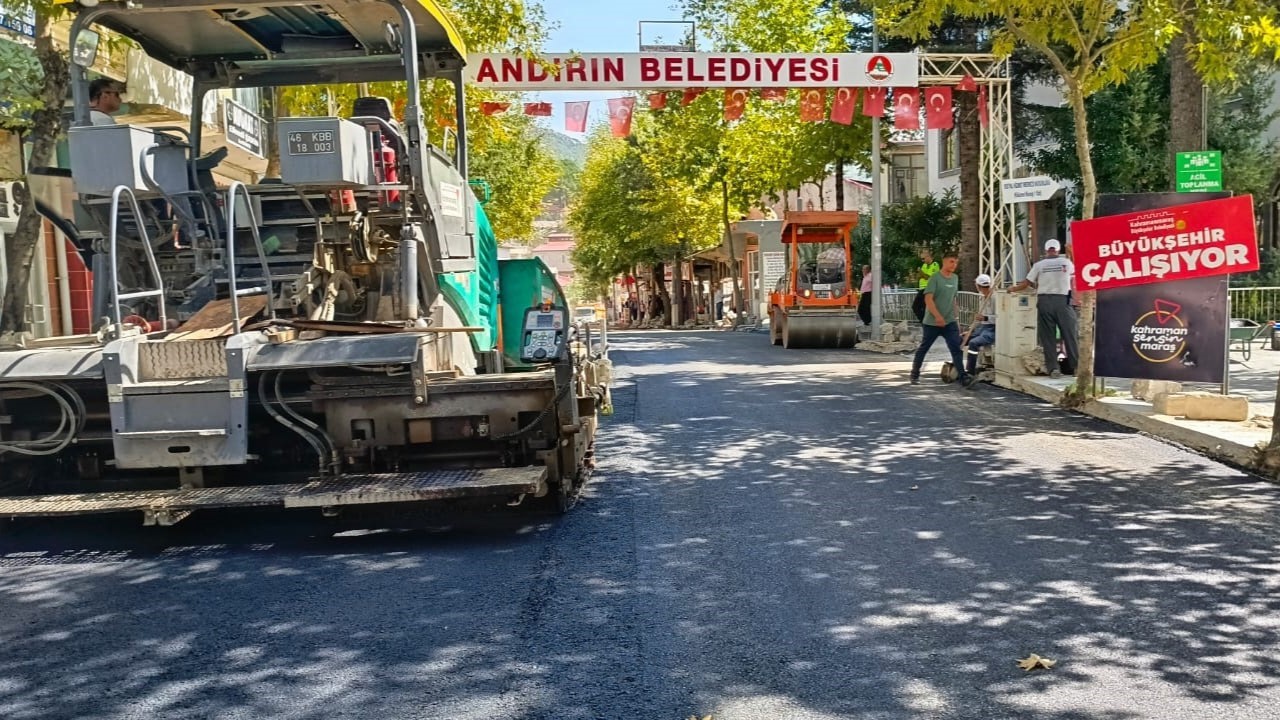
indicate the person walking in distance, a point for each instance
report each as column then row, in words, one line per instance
column 927, row 270
column 1051, row 278
column 940, row 319
column 864, row 296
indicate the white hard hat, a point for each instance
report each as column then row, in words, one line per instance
column 983, row 280
column 1052, row 244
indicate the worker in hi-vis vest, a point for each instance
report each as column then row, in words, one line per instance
column 927, row 270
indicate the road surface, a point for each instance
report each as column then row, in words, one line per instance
column 770, row 534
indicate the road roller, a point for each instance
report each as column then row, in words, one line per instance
column 815, row 302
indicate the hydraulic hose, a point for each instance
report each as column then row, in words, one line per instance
column 69, row 423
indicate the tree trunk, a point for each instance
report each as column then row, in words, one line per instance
column 1268, row 458
column 677, row 292
column 969, row 137
column 733, row 254
column 1088, row 300
column 46, row 125
column 839, row 184
column 274, row 106
column 1186, row 97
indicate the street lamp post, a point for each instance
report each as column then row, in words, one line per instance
column 877, row 275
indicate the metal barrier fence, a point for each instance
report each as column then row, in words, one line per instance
column 1260, row 304
column 895, row 306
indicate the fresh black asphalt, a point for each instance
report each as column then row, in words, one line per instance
column 769, row 534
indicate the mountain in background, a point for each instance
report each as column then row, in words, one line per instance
column 565, row 147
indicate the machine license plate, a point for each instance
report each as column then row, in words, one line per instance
column 822, row 286
column 317, row 142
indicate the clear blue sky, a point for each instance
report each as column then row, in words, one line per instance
column 597, row 26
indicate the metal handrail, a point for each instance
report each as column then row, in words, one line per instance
column 236, row 293
column 112, row 256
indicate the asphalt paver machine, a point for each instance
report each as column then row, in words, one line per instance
column 341, row 336
column 815, row 302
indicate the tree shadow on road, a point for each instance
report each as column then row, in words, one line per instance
column 805, row 536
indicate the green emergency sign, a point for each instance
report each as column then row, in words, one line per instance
column 1199, row 171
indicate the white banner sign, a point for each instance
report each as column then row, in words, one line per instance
column 773, row 266
column 1028, row 189
column 673, row 71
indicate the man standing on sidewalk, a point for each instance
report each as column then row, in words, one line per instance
column 1051, row 277
column 940, row 319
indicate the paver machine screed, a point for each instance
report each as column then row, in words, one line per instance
column 371, row 350
column 815, row 302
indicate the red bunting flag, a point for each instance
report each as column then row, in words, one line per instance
column 982, row 106
column 735, row 101
column 813, row 105
column 906, row 108
column 773, row 94
column 575, row 116
column 657, row 101
column 967, row 84
column 937, row 108
column 691, row 94
column 873, row 102
column 538, row 109
column 493, row 108
column 620, row 112
column 842, row 107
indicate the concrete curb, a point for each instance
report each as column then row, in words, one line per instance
column 1218, row 448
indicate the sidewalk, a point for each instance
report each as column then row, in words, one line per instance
column 1233, row 442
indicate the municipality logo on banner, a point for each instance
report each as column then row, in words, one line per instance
column 1203, row 239
column 1168, row 331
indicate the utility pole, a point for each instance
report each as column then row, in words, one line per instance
column 877, row 275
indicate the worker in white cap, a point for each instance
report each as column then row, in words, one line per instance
column 1051, row 278
column 983, row 331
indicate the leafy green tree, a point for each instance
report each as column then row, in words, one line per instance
column 43, row 128
column 521, row 172
column 1218, row 42
column 929, row 221
column 1137, row 116
column 793, row 26
column 20, row 81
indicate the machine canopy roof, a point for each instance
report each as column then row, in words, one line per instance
column 283, row 42
column 818, row 226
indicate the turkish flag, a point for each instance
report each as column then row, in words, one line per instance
column 982, row 107
column 967, row 84
column 493, row 108
column 813, row 105
column 620, row 111
column 873, row 102
column 773, row 94
column 937, row 108
column 538, row 109
column 575, row 116
column 842, row 107
column 691, row 94
column 735, row 101
column 906, row 109
column 657, row 101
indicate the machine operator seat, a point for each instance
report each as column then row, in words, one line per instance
column 380, row 107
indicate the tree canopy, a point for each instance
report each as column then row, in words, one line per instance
column 505, row 150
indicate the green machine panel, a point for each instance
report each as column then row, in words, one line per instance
column 523, row 284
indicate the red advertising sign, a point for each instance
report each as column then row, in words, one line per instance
column 1203, row 239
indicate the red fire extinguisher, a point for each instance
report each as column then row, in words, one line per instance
column 389, row 174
